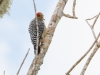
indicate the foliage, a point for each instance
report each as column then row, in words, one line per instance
column 4, row 7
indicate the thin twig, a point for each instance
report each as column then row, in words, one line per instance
column 96, row 47
column 88, row 23
column 95, row 20
column 89, row 59
column 93, row 33
column 73, row 11
column 37, row 27
column 56, row 16
column 67, row 15
column 92, row 17
column 32, row 72
column 83, row 56
column 92, row 26
column 4, row 73
column 91, row 29
column 74, row 3
column 23, row 62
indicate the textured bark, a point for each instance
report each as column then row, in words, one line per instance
column 57, row 14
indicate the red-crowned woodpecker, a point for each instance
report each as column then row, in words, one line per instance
column 41, row 31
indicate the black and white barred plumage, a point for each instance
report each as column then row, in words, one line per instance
column 33, row 32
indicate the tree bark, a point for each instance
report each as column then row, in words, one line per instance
column 57, row 14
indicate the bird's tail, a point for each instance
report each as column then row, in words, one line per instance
column 37, row 51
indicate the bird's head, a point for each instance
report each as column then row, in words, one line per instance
column 40, row 15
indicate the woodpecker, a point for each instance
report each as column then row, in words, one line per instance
column 41, row 31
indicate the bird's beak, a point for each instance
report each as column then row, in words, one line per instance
column 43, row 17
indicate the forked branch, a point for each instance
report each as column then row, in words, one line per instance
column 68, row 72
column 96, row 46
column 73, row 11
column 57, row 14
column 92, row 26
column 68, row 16
column 90, row 58
column 95, row 21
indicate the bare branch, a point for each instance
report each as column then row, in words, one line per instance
column 96, row 47
column 37, row 28
column 93, row 33
column 91, row 29
column 74, row 3
column 88, row 23
column 67, row 15
column 23, row 62
column 83, row 56
column 95, row 20
column 89, row 59
column 73, row 11
column 92, row 18
column 92, row 26
column 57, row 14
